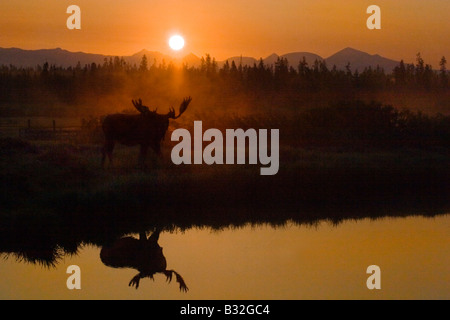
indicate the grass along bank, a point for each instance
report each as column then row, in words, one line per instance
column 41, row 179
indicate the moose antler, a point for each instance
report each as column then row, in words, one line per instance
column 142, row 109
column 168, row 273
column 137, row 279
column 139, row 107
column 180, row 280
column 183, row 107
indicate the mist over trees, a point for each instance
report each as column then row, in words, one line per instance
column 102, row 88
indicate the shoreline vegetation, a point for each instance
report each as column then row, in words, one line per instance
column 352, row 146
column 47, row 178
column 56, row 199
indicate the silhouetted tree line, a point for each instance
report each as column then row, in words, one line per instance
column 357, row 124
column 421, row 74
column 49, row 87
column 281, row 75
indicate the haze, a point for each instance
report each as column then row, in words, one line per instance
column 231, row 28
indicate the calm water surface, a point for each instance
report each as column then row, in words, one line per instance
column 323, row 261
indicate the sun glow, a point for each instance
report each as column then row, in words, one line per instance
column 176, row 42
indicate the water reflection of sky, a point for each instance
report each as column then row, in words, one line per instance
column 262, row 262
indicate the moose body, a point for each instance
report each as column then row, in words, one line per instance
column 146, row 129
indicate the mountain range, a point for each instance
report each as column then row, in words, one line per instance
column 31, row 58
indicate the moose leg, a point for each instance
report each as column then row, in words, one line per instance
column 143, row 155
column 155, row 236
column 157, row 148
column 103, row 156
column 107, row 151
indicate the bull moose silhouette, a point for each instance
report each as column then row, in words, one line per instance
column 146, row 129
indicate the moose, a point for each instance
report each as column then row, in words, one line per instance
column 143, row 254
column 146, row 129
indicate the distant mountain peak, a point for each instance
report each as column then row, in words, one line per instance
column 143, row 51
column 191, row 55
column 147, row 52
column 359, row 60
column 191, row 60
column 273, row 55
column 350, row 49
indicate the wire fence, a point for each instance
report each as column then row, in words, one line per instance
column 48, row 129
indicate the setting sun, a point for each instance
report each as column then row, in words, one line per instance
column 176, row 42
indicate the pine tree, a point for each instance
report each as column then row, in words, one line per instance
column 443, row 77
column 400, row 74
column 144, row 64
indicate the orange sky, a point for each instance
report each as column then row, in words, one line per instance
column 231, row 28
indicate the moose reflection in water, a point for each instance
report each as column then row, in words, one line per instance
column 143, row 254
column 47, row 244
